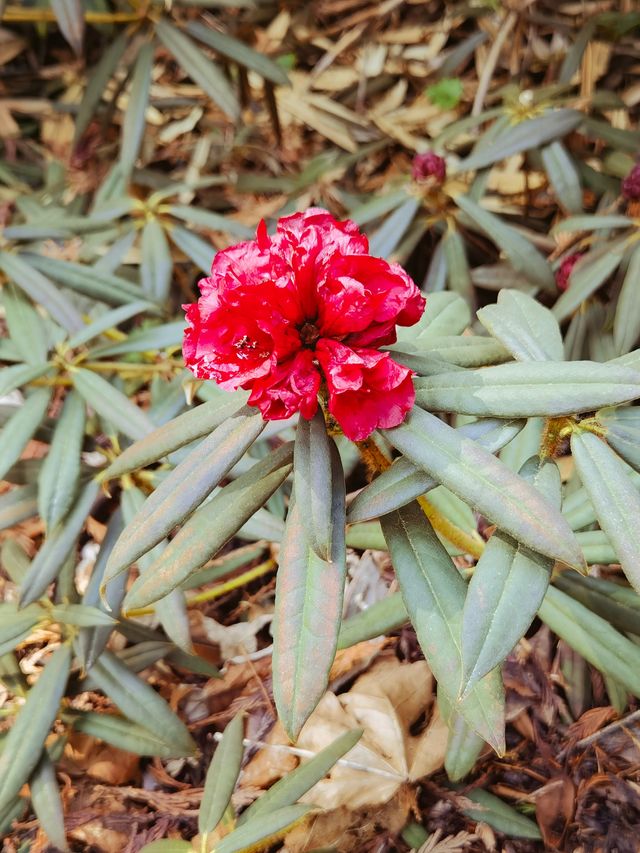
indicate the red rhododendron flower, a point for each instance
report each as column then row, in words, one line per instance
column 429, row 167
column 563, row 273
column 631, row 184
column 281, row 315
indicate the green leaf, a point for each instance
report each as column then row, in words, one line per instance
column 97, row 82
column 626, row 324
column 41, row 290
column 210, row 220
column 457, row 350
column 617, row 604
column 529, row 389
column 184, row 489
column 23, row 745
column 308, row 612
column 167, row 845
column 524, row 257
column 222, row 776
column 458, row 274
column 25, row 325
column 564, row 176
column 47, row 802
column 109, row 320
column 500, row 816
column 265, row 831
column 433, row 593
column 20, row 374
column 140, row 703
column 201, row 70
column 70, row 17
column 296, row 783
column 17, row 624
column 17, row 505
column 89, row 281
column 622, row 431
column 20, row 428
column 587, row 276
column 156, row 267
column 60, row 471
column 592, row 223
column 532, row 133
column 616, row 501
column 111, row 404
column 134, row 123
column 446, row 93
column 487, row 484
column 57, row 548
column 525, row 327
column 150, row 338
column 123, row 734
column 314, row 484
column 506, row 589
column 194, row 247
column 593, row 638
column 81, row 616
column 202, row 535
column 446, row 315
column 404, row 481
column 199, row 421
column 463, row 746
column 374, row 208
column 378, row 619
column 239, row 52
column 395, row 226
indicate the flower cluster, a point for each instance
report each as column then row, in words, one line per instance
column 631, row 184
column 563, row 273
column 429, row 167
column 307, row 308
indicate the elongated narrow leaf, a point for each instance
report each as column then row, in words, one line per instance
column 185, row 488
column 47, row 802
column 296, row 783
column 592, row 223
column 525, row 327
column 70, row 17
column 109, row 320
column 20, row 428
column 156, row 263
column 529, row 389
column 433, row 593
column 404, row 481
column 587, row 276
column 388, row 236
column 618, row 604
column 25, row 325
column 151, row 338
column 521, row 137
column 201, row 70
column 23, row 745
column 134, row 119
column 139, row 702
column 56, row 549
column 564, row 176
column 593, row 638
column 194, row 247
column 616, row 501
column 81, row 615
column 263, row 832
column 19, row 374
column 626, row 324
column 168, row 845
column 456, row 351
column 211, row 220
column 378, row 619
column 18, row 505
column 222, row 776
column 111, row 404
column 487, row 484
column 105, row 287
column 500, row 816
column 446, row 315
column 313, row 483
column 123, row 734
column 458, row 274
column 622, row 426
column 199, row 421
column 239, row 52
column 524, row 257
column 463, row 745
column 41, row 290
column 210, row 527
column 507, row 587
column 308, row 611
column 97, row 83
column 16, row 625
column 60, row 472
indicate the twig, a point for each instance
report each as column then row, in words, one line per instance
column 490, row 65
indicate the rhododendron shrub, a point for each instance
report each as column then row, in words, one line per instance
column 304, row 330
column 306, row 309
